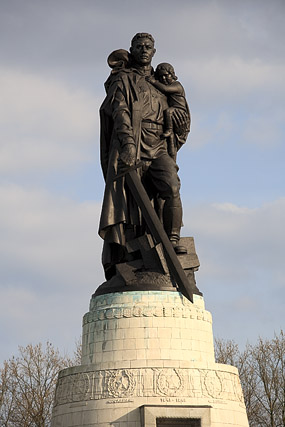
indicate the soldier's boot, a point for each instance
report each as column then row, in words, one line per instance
column 172, row 221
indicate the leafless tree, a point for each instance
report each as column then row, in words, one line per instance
column 76, row 360
column 268, row 362
column 7, row 396
column 28, row 384
column 262, row 374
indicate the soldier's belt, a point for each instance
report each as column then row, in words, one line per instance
column 149, row 125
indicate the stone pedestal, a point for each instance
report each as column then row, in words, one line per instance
column 148, row 360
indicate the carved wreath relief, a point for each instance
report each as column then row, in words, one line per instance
column 169, row 382
column 148, row 382
column 121, row 383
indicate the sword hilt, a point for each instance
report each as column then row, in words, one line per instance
column 131, row 168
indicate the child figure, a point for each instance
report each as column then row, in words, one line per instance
column 165, row 80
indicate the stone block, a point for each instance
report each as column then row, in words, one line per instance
column 164, row 332
column 89, row 418
column 176, row 332
column 147, row 322
column 120, row 334
column 141, row 343
column 123, row 324
column 118, row 345
column 164, row 343
column 135, row 322
column 129, row 354
column 109, row 356
column 130, row 344
column 141, row 354
column 152, row 343
column 153, row 353
column 139, row 363
column 107, row 346
column 165, row 354
column 176, row 344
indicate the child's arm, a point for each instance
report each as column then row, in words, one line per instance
column 174, row 87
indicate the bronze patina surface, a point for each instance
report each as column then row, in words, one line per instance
column 145, row 120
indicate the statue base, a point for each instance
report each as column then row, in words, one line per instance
column 148, row 270
column 148, row 360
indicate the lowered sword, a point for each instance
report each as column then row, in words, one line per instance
column 156, row 228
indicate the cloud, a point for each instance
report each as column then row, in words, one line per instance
column 44, row 123
column 241, row 251
column 50, row 263
column 38, row 103
column 48, row 242
column 31, row 155
column 228, row 55
column 265, row 130
column 202, row 29
column 30, row 317
column 221, row 29
column 234, row 99
column 255, row 237
column 234, row 78
column 232, row 209
column 207, row 128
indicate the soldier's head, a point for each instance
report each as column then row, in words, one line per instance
column 142, row 49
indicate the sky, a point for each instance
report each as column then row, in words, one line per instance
column 230, row 57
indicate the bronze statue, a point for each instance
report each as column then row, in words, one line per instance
column 145, row 119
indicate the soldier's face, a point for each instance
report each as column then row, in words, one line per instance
column 142, row 51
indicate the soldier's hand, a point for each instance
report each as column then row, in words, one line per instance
column 127, row 156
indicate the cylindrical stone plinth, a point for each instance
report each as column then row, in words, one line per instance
column 146, row 356
column 143, row 326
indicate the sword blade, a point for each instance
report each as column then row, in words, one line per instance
column 158, row 232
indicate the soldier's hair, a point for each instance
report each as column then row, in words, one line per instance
column 164, row 66
column 142, row 36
